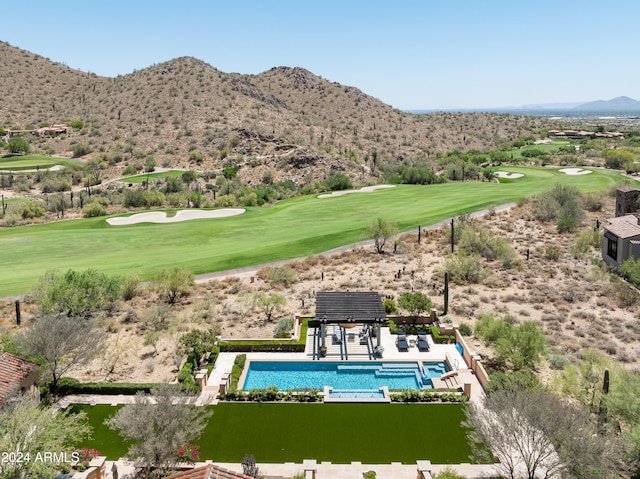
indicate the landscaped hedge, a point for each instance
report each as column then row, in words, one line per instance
column 68, row 386
column 441, row 338
column 414, row 395
column 271, row 394
column 260, row 346
column 269, row 346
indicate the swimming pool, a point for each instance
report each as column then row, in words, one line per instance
column 287, row 375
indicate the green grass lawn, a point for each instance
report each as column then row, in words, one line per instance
column 340, row 433
column 292, row 228
column 151, row 176
column 32, row 162
column 105, row 440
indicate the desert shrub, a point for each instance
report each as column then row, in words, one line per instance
column 129, row 170
column 586, row 240
column 76, row 293
column 552, row 252
column 80, row 150
column 517, row 346
column 465, row 329
column 283, row 328
column 593, row 201
column 390, row 306
column 465, row 268
column 225, row 201
column 475, row 239
column 130, row 286
column 338, row 181
column 630, row 269
column 26, row 210
column 448, row 473
column 94, row 209
column 278, row 275
column 562, row 203
column 558, row 361
column 513, row 380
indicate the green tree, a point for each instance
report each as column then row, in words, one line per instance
column 76, row 293
column 174, row 282
column 380, row 230
column 517, row 346
column 158, row 424
column 199, row 342
column 269, row 303
column 29, row 428
column 60, row 343
column 77, row 124
column 415, row 303
column 17, row 144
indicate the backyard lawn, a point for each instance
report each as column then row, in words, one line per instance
column 340, row 433
column 292, row 228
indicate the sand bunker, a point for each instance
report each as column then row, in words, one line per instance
column 182, row 215
column 366, row 189
column 574, row 171
column 508, row 175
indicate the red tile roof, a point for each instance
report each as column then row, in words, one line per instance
column 13, row 370
column 210, row 471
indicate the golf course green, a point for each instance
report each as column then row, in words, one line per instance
column 17, row 163
column 292, row 228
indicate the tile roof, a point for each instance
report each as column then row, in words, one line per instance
column 626, row 226
column 13, row 370
column 210, row 471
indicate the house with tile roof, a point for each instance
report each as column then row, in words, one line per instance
column 621, row 239
column 16, row 373
column 208, row 471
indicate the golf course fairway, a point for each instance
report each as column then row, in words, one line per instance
column 292, row 228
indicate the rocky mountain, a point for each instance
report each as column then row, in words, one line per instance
column 619, row 104
column 186, row 113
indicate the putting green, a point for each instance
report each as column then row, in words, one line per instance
column 292, row 228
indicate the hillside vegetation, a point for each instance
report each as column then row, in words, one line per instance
column 186, row 113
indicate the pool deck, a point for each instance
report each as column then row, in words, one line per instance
column 357, row 352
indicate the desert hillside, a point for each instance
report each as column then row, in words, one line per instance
column 186, row 113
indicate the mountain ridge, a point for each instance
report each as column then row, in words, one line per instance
column 186, row 113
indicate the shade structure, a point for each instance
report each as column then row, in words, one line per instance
column 344, row 308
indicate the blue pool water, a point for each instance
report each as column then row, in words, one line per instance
column 286, row 375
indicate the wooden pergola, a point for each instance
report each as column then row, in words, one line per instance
column 347, row 309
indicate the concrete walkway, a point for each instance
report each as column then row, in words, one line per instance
column 327, row 470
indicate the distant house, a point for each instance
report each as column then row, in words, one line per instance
column 584, row 135
column 208, row 471
column 52, row 130
column 16, row 373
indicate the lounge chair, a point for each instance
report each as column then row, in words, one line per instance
column 337, row 335
column 423, row 344
column 401, row 342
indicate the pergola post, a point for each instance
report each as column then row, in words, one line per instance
column 377, row 334
column 323, row 334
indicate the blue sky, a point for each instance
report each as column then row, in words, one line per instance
column 428, row 54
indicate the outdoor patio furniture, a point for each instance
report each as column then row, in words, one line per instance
column 401, row 342
column 337, row 335
column 423, row 344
